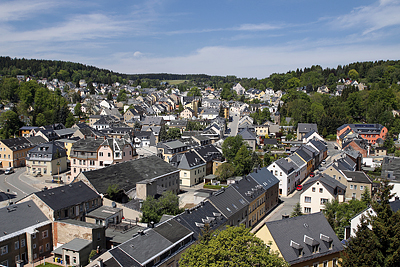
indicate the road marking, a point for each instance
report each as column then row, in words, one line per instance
column 5, row 180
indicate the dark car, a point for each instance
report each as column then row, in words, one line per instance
column 299, row 187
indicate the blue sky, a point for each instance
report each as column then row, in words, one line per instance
column 226, row 37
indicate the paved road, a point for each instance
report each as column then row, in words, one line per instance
column 14, row 186
column 233, row 125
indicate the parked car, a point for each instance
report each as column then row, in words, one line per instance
column 299, row 187
column 312, row 174
column 9, row 170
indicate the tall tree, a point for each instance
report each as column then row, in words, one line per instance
column 243, row 162
column 234, row 246
column 231, row 146
column 224, row 171
column 296, row 210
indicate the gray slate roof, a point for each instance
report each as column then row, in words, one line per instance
column 265, row 178
column 19, row 216
column 306, row 127
column 228, row 201
column 127, row 174
column 76, row 244
column 295, row 229
column 329, row 183
column 358, row 177
column 67, row 195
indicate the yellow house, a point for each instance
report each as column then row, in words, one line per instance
column 306, row 240
column 14, row 150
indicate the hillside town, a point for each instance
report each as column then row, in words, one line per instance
column 140, row 174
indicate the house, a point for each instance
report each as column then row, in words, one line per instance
column 319, row 190
column 26, row 234
column 306, row 240
column 255, row 195
column 301, row 170
column 271, row 186
column 320, row 147
column 92, row 153
column 180, row 124
column 144, row 139
column 139, row 178
column 231, row 205
column 312, row 135
column 48, row 159
column 368, row 132
column 285, row 172
column 131, row 114
column 304, row 128
column 209, row 113
column 75, row 252
column 14, row 150
column 359, row 145
column 192, row 167
column 72, row 201
column 249, row 137
column 170, row 148
column 239, row 89
column 356, row 182
column 261, row 130
column 153, row 121
column 211, row 155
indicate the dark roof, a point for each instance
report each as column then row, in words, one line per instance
column 303, row 230
column 309, row 134
column 329, row 183
column 127, row 174
column 17, row 143
column 36, row 140
column 395, row 205
column 228, row 201
column 67, row 195
column 87, row 144
column 19, row 216
column 319, row 145
column 190, row 160
column 208, row 152
column 248, row 188
column 306, row 127
column 358, row 177
column 303, row 154
column 46, row 152
column 172, row 230
column 265, row 178
column 287, row 167
column 247, row 134
column 195, row 218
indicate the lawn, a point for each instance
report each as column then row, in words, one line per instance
column 174, row 82
column 50, row 264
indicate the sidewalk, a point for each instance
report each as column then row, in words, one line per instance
column 38, row 182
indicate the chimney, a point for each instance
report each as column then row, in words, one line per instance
column 396, row 198
column 187, row 211
column 100, row 262
column 151, row 224
column 105, row 137
column 95, row 137
column 84, row 137
column 140, row 203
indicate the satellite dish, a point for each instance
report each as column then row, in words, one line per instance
column 113, row 204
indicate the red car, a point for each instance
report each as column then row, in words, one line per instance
column 299, row 187
column 312, row 174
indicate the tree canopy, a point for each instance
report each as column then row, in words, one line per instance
column 234, row 246
column 153, row 209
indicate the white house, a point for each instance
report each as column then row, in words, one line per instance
column 285, row 171
column 318, row 191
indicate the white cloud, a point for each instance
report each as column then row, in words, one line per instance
column 137, row 54
column 22, row 9
column 373, row 17
column 257, row 27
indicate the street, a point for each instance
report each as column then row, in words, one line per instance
column 13, row 188
column 233, row 125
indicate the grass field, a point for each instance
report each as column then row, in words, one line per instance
column 175, row 81
column 48, row 264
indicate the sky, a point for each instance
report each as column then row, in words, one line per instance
column 252, row 38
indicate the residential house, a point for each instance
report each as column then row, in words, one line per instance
column 271, row 186
column 48, row 159
column 170, row 148
column 306, row 240
column 192, row 167
column 369, row 132
column 239, row 89
column 93, row 153
column 211, row 155
column 144, row 139
column 139, row 178
column 356, row 182
column 14, row 150
column 209, row 113
column 318, row 191
column 232, row 205
column 320, row 147
column 153, row 121
column 70, row 201
column 301, row 170
column 187, row 113
column 360, row 145
column 312, row 135
column 180, row 124
column 261, row 130
column 304, row 128
column 132, row 114
column 285, row 172
column 26, row 234
column 250, row 138
column 75, row 252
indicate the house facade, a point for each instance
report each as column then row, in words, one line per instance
column 48, row 159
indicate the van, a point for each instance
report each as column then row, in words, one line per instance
column 9, row 170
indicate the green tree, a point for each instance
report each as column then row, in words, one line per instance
column 353, row 74
column 153, row 209
column 234, row 246
column 224, row 171
column 366, row 196
column 243, row 162
column 8, row 87
column 9, row 123
column 122, row 96
column 296, row 210
column 70, row 121
column 41, row 120
column 109, row 96
column 174, row 133
column 150, row 210
column 163, row 135
column 113, row 191
column 194, row 91
column 77, row 110
column 231, row 146
column 377, row 240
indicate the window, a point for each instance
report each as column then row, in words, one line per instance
column 334, row 176
column 334, row 262
column 313, row 189
column 16, row 258
column 109, row 154
column 323, row 201
column 80, row 162
column 74, row 259
column 361, row 187
column 355, row 187
column 74, row 170
column 35, row 256
column 65, row 214
column 40, row 249
column 100, row 154
column 316, row 264
column 307, row 199
column 315, row 249
column 16, row 245
column 22, row 243
column 98, row 236
column 184, row 174
column 47, row 246
column 34, row 236
column 45, row 233
column 280, row 174
column 321, row 190
column 4, row 250
column 307, row 210
column 4, row 263
column 34, row 246
column 351, row 186
column 74, row 161
column 353, row 195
